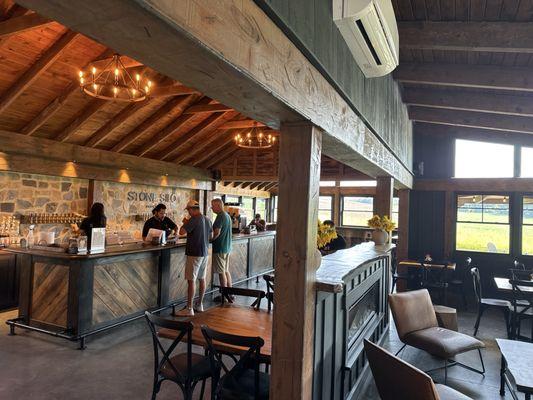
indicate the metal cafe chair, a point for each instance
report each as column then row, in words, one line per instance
column 521, row 306
column 244, row 381
column 484, row 303
column 435, row 278
column 184, row 369
column 228, row 293
column 269, row 279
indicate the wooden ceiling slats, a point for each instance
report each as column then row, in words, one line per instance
column 169, row 130
column 244, row 123
column 172, row 90
column 186, row 143
column 211, row 151
column 222, row 153
column 56, row 104
column 208, row 108
column 201, row 149
column 138, row 131
column 82, row 117
column 18, row 25
column 37, row 68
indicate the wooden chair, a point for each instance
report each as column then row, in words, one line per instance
column 484, row 303
column 398, row 380
column 228, row 293
column 521, row 306
column 269, row 279
column 244, row 381
column 459, row 279
column 417, row 326
column 184, row 369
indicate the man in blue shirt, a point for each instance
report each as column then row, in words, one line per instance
column 221, row 242
column 199, row 231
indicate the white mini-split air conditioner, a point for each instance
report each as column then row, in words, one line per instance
column 369, row 28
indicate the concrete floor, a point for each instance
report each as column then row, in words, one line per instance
column 118, row 365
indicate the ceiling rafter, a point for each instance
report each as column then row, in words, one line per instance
column 21, row 24
column 81, row 118
column 37, row 69
column 229, row 150
column 200, row 149
column 171, row 128
column 243, row 123
column 55, row 105
column 221, row 144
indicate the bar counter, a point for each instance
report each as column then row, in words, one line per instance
column 74, row 296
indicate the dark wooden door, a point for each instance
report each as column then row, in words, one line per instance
column 9, row 281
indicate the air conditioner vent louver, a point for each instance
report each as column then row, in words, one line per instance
column 370, row 31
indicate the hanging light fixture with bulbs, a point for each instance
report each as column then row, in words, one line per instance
column 256, row 138
column 114, row 82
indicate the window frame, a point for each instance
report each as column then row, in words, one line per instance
column 341, row 210
column 331, row 197
column 454, row 160
column 520, row 229
column 510, row 223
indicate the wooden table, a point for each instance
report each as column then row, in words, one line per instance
column 504, row 285
column 516, row 361
column 231, row 318
column 405, row 265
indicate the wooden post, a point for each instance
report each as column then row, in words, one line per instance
column 296, row 262
column 403, row 225
column 383, row 198
column 449, row 222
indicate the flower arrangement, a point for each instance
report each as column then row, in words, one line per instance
column 325, row 234
column 381, row 223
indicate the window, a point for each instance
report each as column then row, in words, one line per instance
column 325, row 208
column 526, row 168
column 483, row 223
column 248, row 206
column 231, row 199
column 274, row 208
column 483, row 160
column 356, row 211
column 527, row 225
column 327, row 183
column 395, row 210
column 358, row 183
column 260, row 207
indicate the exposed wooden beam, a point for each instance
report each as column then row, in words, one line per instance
column 271, row 185
column 469, row 101
column 37, row 68
column 55, row 105
column 219, row 145
column 266, row 178
column 208, row 108
column 200, row 150
column 509, row 37
column 223, row 189
column 28, row 154
column 170, row 129
column 477, row 76
column 24, row 23
column 186, row 143
column 475, row 184
column 225, row 153
column 172, row 90
column 246, row 184
column 255, row 185
column 101, row 134
column 138, row 131
column 497, row 122
column 82, row 117
column 245, row 123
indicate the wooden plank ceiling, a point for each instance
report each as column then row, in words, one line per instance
column 40, row 96
column 467, row 63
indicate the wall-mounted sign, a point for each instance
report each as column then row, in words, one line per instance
column 152, row 197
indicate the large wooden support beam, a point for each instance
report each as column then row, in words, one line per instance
column 245, row 123
column 509, row 123
column 477, row 76
column 81, row 118
column 296, row 262
column 34, row 155
column 384, row 194
column 402, row 250
column 502, row 37
column 17, row 25
column 242, row 55
column 469, row 101
column 37, row 68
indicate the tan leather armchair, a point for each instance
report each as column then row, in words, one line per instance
column 417, row 326
column 398, row 380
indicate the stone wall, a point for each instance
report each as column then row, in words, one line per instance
column 127, row 206
column 22, row 194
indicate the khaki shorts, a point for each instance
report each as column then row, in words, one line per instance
column 220, row 262
column 195, row 268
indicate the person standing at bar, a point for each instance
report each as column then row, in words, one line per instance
column 96, row 219
column 159, row 221
column 221, row 243
column 199, row 232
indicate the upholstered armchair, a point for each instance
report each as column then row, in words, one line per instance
column 398, row 380
column 417, row 326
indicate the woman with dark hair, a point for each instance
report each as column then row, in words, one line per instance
column 159, row 221
column 96, row 219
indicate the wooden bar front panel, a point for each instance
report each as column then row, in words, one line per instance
column 238, row 260
column 124, row 287
column 177, row 281
column 261, row 255
column 49, row 302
